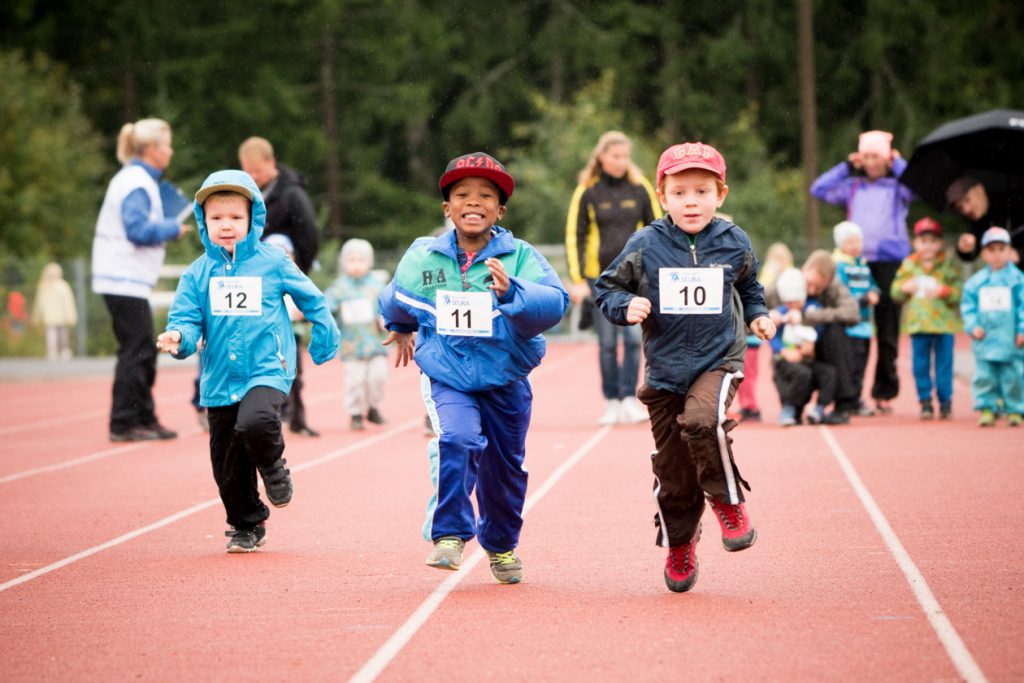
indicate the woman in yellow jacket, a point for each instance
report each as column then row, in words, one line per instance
column 611, row 202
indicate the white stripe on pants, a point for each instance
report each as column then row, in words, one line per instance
column 364, row 384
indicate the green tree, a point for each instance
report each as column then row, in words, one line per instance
column 50, row 160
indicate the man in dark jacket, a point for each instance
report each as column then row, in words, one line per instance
column 987, row 204
column 290, row 213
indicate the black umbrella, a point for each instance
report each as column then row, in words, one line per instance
column 988, row 146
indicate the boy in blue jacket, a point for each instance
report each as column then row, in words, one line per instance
column 479, row 300
column 233, row 297
column 992, row 307
column 691, row 280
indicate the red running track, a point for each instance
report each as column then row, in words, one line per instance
column 885, row 551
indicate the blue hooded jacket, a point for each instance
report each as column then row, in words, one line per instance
column 246, row 351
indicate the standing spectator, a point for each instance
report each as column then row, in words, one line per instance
column 127, row 253
column 289, row 212
column 985, row 205
column 867, row 184
column 854, row 272
column 931, row 285
column 611, row 202
column 993, row 311
column 55, row 310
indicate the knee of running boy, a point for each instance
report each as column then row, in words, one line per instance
column 699, row 423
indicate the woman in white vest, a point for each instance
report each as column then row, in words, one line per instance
column 127, row 253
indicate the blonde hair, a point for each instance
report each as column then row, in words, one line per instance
column 777, row 258
column 51, row 273
column 135, row 137
column 821, row 262
column 256, row 148
column 592, row 170
column 355, row 247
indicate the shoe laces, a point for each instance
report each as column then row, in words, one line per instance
column 731, row 515
column 506, row 557
column 679, row 557
column 449, row 542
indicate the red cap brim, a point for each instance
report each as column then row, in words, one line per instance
column 500, row 178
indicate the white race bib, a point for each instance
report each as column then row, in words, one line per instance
column 992, row 299
column 357, row 312
column 236, row 295
column 693, row 291
column 464, row 314
column 926, row 285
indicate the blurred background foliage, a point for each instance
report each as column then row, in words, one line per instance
column 379, row 94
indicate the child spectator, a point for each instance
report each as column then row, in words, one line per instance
column 931, row 285
column 796, row 373
column 55, row 310
column 867, row 184
column 853, row 271
column 353, row 299
column 480, row 300
column 233, row 297
column 777, row 259
column 993, row 312
column 677, row 277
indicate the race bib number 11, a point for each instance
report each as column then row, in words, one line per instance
column 992, row 299
column 464, row 314
column 236, row 295
column 690, row 291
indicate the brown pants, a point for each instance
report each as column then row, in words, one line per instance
column 694, row 453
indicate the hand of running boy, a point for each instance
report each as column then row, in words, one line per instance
column 1020, row 340
column 169, row 341
column 405, row 342
column 501, row 281
column 763, row 327
column 978, row 333
column 638, row 310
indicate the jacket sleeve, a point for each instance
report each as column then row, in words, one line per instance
column 832, row 186
column 575, row 239
column 186, row 314
column 750, row 289
column 302, row 228
column 844, row 311
column 905, row 272
column 397, row 315
column 969, row 305
column 906, row 195
column 323, row 344
column 620, row 282
column 953, row 283
column 533, row 307
column 139, row 230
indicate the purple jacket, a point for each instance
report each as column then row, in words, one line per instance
column 879, row 207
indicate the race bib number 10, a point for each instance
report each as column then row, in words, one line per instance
column 236, row 296
column 992, row 299
column 690, row 291
column 464, row 314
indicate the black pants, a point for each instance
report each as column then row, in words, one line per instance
column 859, row 350
column 833, row 348
column 135, row 372
column 294, row 408
column 244, row 436
column 887, row 326
column 797, row 381
column 692, row 456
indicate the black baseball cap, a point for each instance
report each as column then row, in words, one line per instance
column 480, row 165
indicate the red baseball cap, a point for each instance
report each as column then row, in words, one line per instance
column 480, row 165
column 927, row 226
column 691, row 155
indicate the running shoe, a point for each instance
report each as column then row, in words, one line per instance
column 945, row 410
column 1013, row 420
column 737, row 532
column 631, row 411
column 356, row 423
column 506, row 566
column 927, row 410
column 373, row 416
column 611, row 412
column 988, row 418
column 787, row 418
column 277, row 482
column 447, row 553
column 681, row 565
column 246, row 540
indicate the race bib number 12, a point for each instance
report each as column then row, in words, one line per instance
column 464, row 314
column 236, row 296
column 690, row 291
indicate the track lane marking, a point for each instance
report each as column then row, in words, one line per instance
column 198, row 507
column 394, row 645
column 943, row 627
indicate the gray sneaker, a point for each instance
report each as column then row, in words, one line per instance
column 447, row 553
column 506, row 566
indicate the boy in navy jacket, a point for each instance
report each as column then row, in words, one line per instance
column 691, row 280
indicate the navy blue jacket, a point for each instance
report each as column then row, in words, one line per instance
column 680, row 348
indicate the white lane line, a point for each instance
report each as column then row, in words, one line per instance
column 389, row 650
column 948, row 636
column 77, row 417
column 333, row 455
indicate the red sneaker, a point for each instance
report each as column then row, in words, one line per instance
column 737, row 532
column 681, row 566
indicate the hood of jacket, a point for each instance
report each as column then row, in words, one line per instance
column 257, row 216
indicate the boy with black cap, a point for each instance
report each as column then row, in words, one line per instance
column 479, row 299
column 690, row 278
column 233, row 297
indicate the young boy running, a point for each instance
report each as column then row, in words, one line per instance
column 479, row 299
column 677, row 277
column 233, row 297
